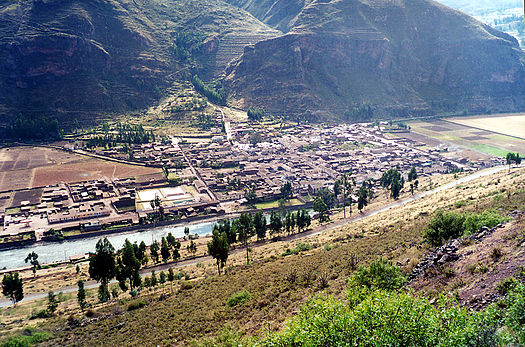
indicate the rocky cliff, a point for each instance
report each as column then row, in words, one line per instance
column 402, row 57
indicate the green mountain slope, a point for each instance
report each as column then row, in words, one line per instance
column 400, row 57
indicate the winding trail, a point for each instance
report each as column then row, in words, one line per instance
column 327, row 227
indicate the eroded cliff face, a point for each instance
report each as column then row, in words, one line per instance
column 401, row 57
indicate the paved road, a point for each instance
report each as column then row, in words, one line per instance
column 317, row 231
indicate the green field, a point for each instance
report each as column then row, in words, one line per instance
column 274, row 204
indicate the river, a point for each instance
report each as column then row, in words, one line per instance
column 52, row 252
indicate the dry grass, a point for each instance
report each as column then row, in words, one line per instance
column 278, row 284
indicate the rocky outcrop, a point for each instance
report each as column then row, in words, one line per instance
column 404, row 57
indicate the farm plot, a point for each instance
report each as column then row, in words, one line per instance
column 474, row 138
column 87, row 170
column 511, row 125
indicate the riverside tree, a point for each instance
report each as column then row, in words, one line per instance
column 513, row 158
column 102, row 267
column 12, row 287
column 259, row 223
column 128, row 266
column 32, row 258
column 275, row 222
column 81, row 295
column 219, row 248
column 321, row 208
column 245, row 230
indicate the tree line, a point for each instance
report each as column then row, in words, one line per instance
column 217, row 96
column 125, row 134
column 35, row 128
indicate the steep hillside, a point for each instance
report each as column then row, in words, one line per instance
column 400, row 57
column 276, row 13
column 92, row 57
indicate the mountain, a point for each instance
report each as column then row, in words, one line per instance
column 93, row 57
column 504, row 15
column 318, row 58
column 399, row 58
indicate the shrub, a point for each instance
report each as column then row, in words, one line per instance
column 238, row 298
column 40, row 314
column 474, row 222
column 381, row 274
column 515, row 313
column 386, row 318
column 297, row 249
column 136, row 305
column 450, row 225
column 496, row 253
column 444, row 226
column 27, row 337
column 185, row 285
column 506, row 285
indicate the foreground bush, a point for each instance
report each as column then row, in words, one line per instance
column 27, row 337
column 381, row 274
column 450, row 225
column 238, row 298
column 386, row 318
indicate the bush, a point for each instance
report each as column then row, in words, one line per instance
column 515, row 313
column 27, row 337
column 381, row 274
column 40, row 314
column 385, row 318
column 297, row 249
column 238, row 298
column 450, row 225
column 474, row 222
column 443, row 227
column 136, row 305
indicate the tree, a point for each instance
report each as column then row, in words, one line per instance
column 275, row 222
column 300, row 220
column 128, row 266
column 345, row 185
column 286, row 190
column 12, row 287
column 288, row 222
column 32, row 258
column 321, row 208
column 186, row 231
column 245, row 230
column 259, row 223
column 250, row 195
column 154, row 251
column 192, row 248
column 365, row 194
column 226, row 227
column 513, row 158
column 102, row 266
column 171, row 239
column 52, row 302
column 412, row 175
column 81, row 295
column 162, row 277
column 141, row 254
column 393, row 181
column 219, row 248
column 327, row 196
column 165, row 250
column 256, row 113
column 171, row 275
column 153, row 279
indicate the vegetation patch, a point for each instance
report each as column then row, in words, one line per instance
column 238, row 298
column 29, row 336
column 298, row 249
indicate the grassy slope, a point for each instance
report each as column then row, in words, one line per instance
column 201, row 311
